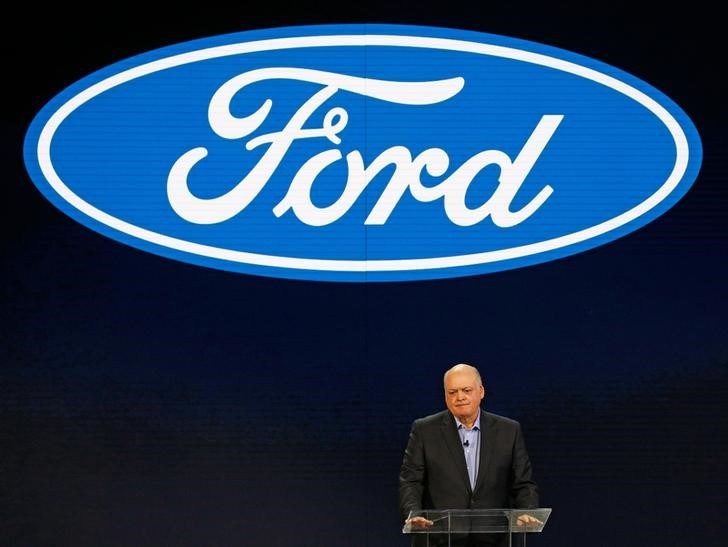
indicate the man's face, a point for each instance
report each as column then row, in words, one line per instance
column 463, row 394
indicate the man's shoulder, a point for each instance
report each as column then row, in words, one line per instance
column 433, row 419
column 497, row 420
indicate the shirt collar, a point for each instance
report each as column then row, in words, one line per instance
column 476, row 425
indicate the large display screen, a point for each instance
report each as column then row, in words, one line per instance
column 151, row 400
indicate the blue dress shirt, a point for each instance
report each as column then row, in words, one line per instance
column 470, row 439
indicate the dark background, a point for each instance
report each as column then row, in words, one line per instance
column 147, row 402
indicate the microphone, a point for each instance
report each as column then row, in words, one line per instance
column 466, row 443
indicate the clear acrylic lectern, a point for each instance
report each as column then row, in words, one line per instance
column 449, row 526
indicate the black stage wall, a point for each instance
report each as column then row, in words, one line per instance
column 148, row 402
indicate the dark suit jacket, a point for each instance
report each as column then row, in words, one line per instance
column 434, row 475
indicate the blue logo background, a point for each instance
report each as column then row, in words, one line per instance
column 609, row 154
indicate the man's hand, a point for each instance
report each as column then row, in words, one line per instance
column 419, row 523
column 527, row 520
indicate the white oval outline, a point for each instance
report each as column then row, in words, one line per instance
column 46, row 166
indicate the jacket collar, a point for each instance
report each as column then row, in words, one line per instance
column 452, row 440
column 488, row 435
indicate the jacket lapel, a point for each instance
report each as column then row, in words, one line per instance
column 452, row 440
column 488, row 438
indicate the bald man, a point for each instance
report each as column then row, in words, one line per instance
column 465, row 458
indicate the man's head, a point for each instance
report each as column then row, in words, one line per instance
column 463, row 392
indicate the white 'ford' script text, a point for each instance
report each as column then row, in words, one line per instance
column 407, row 171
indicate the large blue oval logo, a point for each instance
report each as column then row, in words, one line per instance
column 362, row 152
